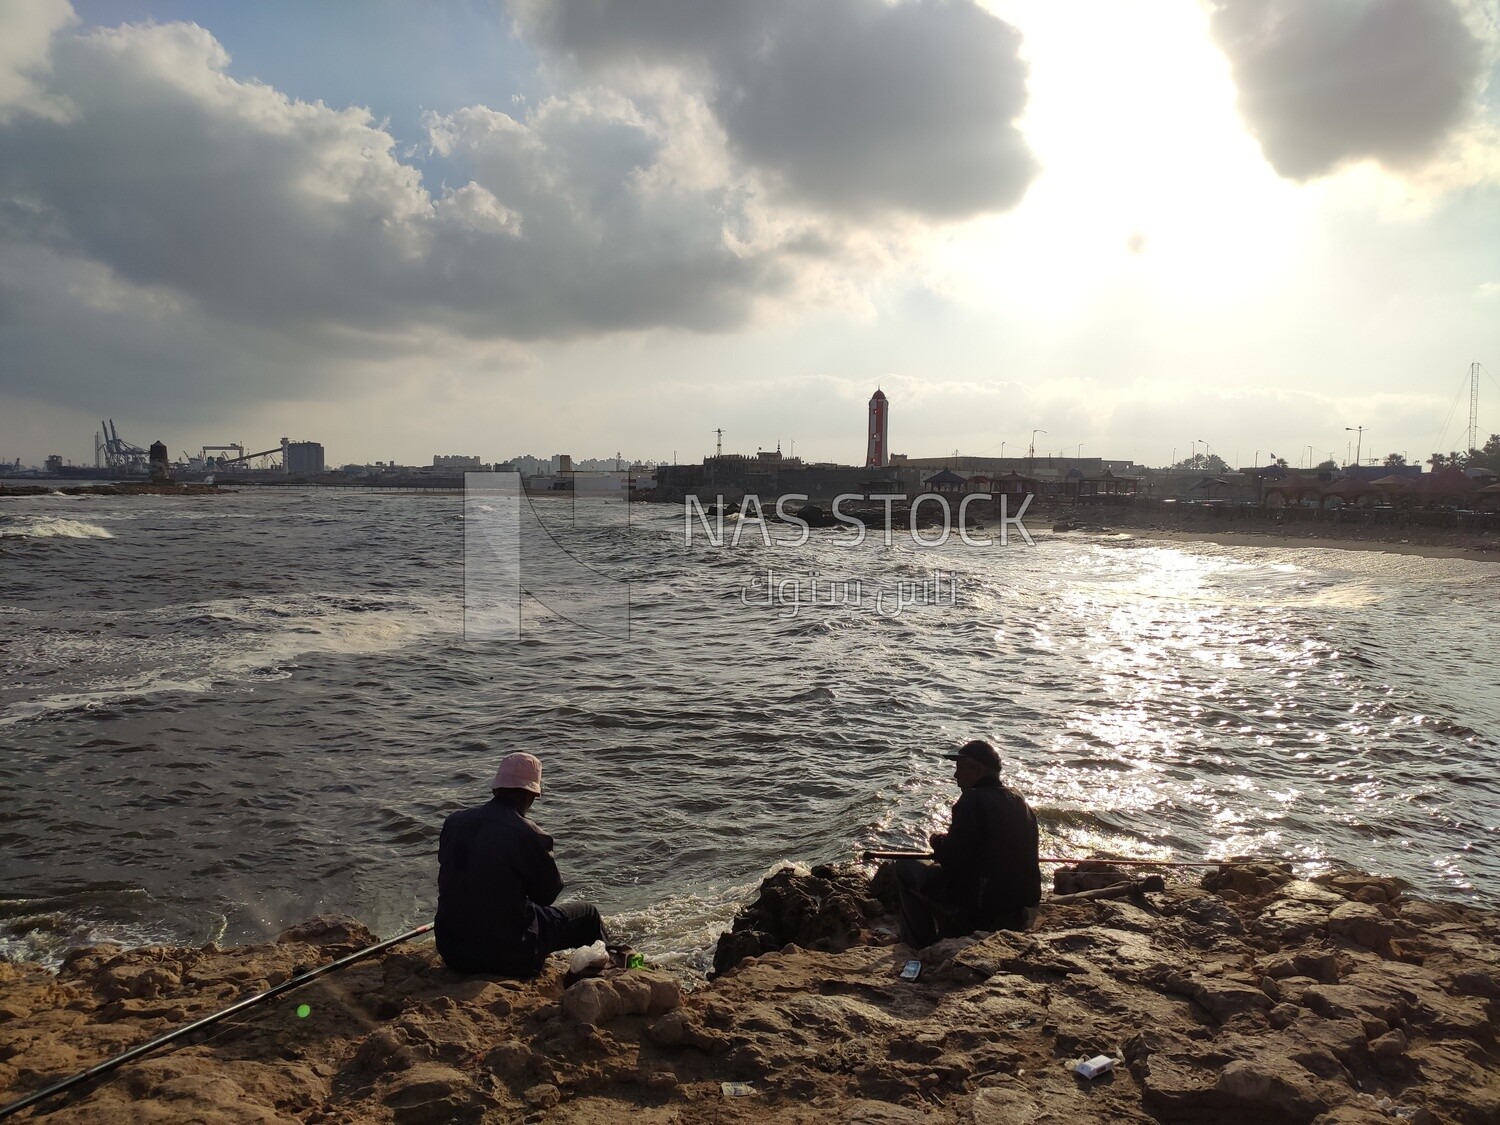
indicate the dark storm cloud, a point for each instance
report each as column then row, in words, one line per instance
column 852, row 106
column 599, row 34
column 1331, row 81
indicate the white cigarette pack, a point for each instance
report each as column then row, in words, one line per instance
column 1092, row 1068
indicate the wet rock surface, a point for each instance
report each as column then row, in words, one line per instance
column 828, row 910
column 1252, row 997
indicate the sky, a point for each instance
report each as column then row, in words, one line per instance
column 590, row 226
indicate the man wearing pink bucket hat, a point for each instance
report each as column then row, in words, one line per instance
column 497, row 881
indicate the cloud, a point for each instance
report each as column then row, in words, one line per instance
column 1325, row 83
column 176, row 223
column 607, row 35
column 26, row 31
column 852, row 107
column 171, row 228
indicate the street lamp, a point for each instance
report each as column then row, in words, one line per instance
column 1358, row 445
column 1031, row 449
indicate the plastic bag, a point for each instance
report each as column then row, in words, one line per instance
column 588, row 960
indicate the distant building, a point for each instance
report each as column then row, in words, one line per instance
column 877, row 450
column 301, row 456
column 457, row 463
column 564, row 463
column 946, row 481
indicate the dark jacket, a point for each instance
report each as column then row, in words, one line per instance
column 988, row 857
column 494, row 867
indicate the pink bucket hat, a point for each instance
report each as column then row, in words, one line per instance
column 519, row 771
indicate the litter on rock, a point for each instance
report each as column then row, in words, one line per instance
column 736, row 1089
column 1092, row 1068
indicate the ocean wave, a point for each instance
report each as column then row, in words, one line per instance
column 44, row 928
column 220, row 645
column 53, row 527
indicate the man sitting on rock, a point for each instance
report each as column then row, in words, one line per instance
column 985, row 874
column 497, row 880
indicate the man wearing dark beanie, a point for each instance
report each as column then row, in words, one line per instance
column 984, row 873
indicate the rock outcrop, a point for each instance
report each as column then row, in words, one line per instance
column 1252, row 997
column 828, row 910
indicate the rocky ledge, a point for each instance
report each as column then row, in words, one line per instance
column 1252, row 997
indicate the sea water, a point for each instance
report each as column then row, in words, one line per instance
column 223, row 714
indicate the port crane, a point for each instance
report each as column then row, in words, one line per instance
column 111, row 451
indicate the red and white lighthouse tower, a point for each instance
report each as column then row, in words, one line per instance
column 877, row 454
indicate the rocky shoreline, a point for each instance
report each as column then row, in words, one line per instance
column 1249, row 997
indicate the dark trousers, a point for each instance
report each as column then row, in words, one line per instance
column 558, row 927
column 926, row 917
column 568, row 926
column 919, row 910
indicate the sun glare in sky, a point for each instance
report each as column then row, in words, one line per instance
column 1150, row 187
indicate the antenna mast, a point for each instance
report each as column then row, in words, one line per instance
column 719, row 447
column 1473, row 405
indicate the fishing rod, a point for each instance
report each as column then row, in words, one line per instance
column 870, row 855
column 249, row 1002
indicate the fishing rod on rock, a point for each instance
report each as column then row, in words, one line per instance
column 172, row 1036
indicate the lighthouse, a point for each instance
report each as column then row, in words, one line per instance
column 876, row 453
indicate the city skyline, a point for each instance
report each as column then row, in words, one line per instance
column 396, row 230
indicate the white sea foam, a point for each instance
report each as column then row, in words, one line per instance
column 53, row 527
column 261, row 639
column 679, row 933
